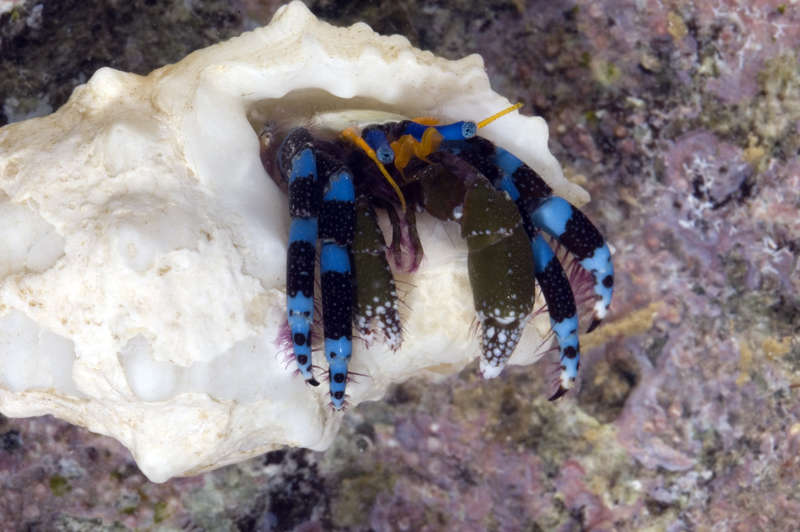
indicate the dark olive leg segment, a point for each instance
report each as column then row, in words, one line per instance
column 376, row 294
column 501, row 270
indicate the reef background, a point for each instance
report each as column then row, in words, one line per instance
column 682, row 121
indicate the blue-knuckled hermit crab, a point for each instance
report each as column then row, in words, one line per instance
column 337, row 179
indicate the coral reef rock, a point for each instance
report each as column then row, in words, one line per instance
column 142, row 249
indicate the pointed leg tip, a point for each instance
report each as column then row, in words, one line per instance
column 594, row 324
column 559, row 393
column 341, row 407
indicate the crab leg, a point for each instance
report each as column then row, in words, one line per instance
column 561, row 308
column 376, row 295
column 503, row 302
column 336, row 229
column 524, row 186
column 558, row 218
column 573, row 229
column 549, row 273
column 303, row 209
column 542, row 210
column 496, row 242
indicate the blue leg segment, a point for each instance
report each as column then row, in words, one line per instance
column 337, row 227
column 301, row 257
column 574, row 230
column 337, row 306
column 450, row 132
column 561, row 307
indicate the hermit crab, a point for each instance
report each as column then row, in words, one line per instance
column 338, row 178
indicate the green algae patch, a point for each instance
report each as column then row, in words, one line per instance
column 160, row 511
column 59, row 485
column 605, row 72
column 356, row 496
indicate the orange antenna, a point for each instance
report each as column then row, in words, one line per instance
column 351, row 135
column 487, row 121
column 426, row 120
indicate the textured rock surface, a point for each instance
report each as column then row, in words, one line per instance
column 682, row 122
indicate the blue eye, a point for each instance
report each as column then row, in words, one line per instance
column 376, row 139
column 469, row 130
column 385, row 154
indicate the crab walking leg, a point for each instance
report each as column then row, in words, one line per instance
column 301, row 256
column 574, row 230
column 337, row 226
column 376, row 294
column 561, row 307
column 499, row 165
column 544, row 211
column 558, row 218
column 548, row 270
column 556, row 290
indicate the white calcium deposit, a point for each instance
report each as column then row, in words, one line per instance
column 142, row 244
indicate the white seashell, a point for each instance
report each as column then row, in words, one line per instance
column 142, row 249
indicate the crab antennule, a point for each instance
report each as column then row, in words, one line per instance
column 486, row 121
column 407, row 147
column 351, row 135
column 301, row 256
column 562, row 309
column 426, row 120
column 572, row 228
column 336, row 230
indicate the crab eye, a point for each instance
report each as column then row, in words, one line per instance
column 469, row 130
column 376, row 139
column 385, row 154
